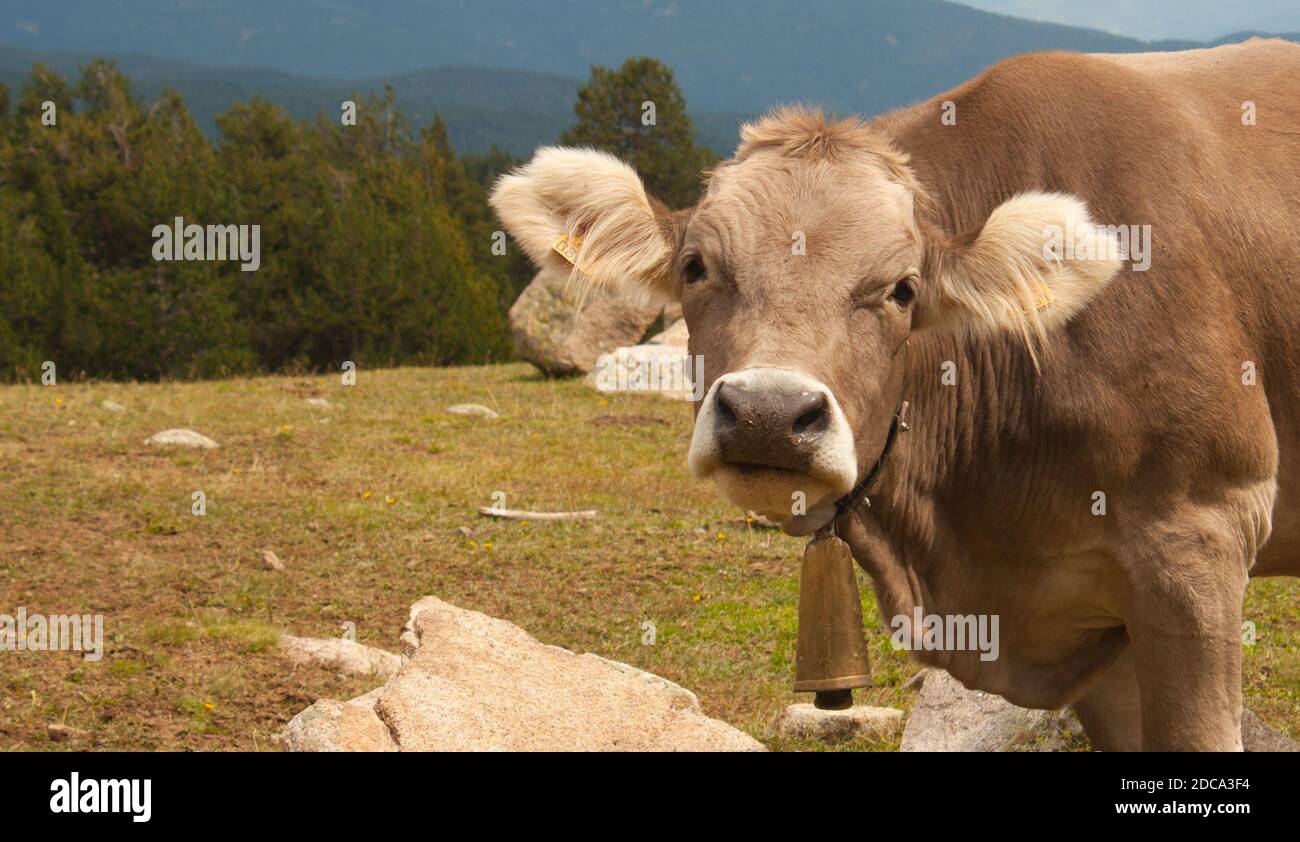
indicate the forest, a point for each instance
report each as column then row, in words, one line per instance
column 376, row 242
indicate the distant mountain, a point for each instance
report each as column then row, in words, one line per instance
column 513, row 109
column 729, row 55
column 505, row 71
column 1198, row 20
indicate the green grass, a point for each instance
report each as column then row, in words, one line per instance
column 361, row 502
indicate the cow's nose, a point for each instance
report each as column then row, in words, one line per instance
column 770, row 427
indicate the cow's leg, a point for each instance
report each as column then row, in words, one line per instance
column 1111, row 712
column 1187, row 580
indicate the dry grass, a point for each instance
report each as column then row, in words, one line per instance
column 361, row 501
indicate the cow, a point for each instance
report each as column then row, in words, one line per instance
column 1101, row 449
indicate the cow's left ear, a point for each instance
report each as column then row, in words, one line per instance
column 586, row 214
column 1035, row 262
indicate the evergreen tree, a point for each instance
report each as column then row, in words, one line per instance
column 637, row 113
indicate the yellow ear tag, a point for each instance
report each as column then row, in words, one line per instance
column 1043, row 297
column 567, row 247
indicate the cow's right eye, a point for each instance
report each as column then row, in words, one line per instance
column 693, row 269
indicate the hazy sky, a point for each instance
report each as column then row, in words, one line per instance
column 1198, row 20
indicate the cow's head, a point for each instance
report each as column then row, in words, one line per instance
column 801, row 272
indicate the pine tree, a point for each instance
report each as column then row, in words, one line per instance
column 637, row 113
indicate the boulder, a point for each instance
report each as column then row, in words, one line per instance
column 806, row 721
column 675, row 335
column 948, row 717
column 330, row 725
column 660, row 369
column 1256, row 735
column 475, row 683
column 346, row 656
column 181, row 438
column 563, row 330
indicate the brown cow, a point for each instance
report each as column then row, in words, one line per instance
column 1097, row 454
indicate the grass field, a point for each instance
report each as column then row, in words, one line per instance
column 362, row 500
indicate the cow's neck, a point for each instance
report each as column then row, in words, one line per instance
column 970, row 409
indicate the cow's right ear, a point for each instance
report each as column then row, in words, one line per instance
column 585, row 212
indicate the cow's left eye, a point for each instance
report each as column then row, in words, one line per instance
column 693, row 269
column 903, row 292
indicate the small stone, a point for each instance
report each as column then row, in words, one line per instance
column 112, row 406
column 319, row 403
column 271, row 561
column 472, row 410
column 464, row 531
column 181, row 438
column 806, row 721
column 59, row 733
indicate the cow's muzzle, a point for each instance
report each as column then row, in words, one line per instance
column 773, row 427
column 774, row 440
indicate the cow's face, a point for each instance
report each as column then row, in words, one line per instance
column 801, row 272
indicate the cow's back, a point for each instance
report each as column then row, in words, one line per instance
column 1149, row 377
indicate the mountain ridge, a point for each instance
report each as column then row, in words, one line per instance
column 518, row 92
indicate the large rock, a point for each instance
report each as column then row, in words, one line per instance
column 562, row 334
column 1256, row 735
column 661, row 369
column 675, row 335
column 475, row 683
column 948, row 717
column 346, row 656
column 329, row 725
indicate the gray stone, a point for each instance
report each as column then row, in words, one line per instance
column 329, row 725
column 1256, row 735
column 563, row 330
column 948, row 717
column 476, row 683
column 181, row 438
column 664, row 370
column 346, row 656
column 675, row 335
column 472, row 410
